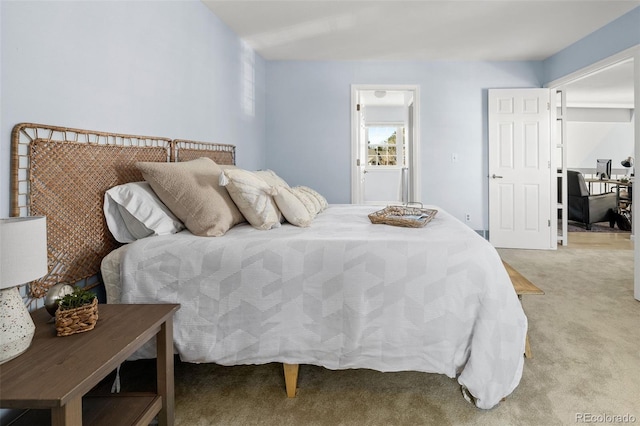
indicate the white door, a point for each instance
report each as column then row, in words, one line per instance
column 520, row 207
column 384, row 144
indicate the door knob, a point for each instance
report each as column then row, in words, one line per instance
column 494, row 176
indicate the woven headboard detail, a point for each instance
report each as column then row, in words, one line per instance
column 68, row 182
column 185, row 150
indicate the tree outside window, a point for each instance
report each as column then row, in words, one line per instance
column 382, row 145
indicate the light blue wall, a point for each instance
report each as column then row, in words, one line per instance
column 173, row 69
column 615, row 37
column 309, row 133
column 154, row 68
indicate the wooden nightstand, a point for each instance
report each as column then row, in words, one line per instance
column 56, row 372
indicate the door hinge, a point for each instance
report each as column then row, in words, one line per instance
column 358, row 107
column 358, row 162
column 549, row 164
column 548, row 106
column 549, row 223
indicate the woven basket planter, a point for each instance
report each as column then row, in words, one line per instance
column 77, row 320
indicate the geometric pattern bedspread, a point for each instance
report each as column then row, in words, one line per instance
column 342, row 293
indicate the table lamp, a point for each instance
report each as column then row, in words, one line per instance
column 23, row 258
column 628, row 163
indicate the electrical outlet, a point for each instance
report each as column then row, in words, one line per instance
column 467, row 217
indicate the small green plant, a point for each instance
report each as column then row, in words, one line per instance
column 79, row 297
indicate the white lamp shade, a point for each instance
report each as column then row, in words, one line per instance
column 23, row 250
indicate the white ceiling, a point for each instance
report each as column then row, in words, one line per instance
column 384, row 97
column 474, row 30
column 429, row 30
column 608, row 88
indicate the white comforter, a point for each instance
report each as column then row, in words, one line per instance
column 343, row 293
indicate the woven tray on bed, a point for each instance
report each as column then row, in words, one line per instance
column 410, row 217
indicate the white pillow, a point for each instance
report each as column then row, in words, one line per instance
column 133, row 211
column 252, row 195
column 321, row 200
column 271, row 178
column 308, row 200
column 292, row 207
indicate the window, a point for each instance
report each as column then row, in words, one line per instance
column 385, row 145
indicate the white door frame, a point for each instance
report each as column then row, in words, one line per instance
column 631, row 53
column 414, row 166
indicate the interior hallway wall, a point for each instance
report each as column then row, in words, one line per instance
column 588, row 141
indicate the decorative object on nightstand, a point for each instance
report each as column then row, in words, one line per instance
column 54, row 294
column 23, row 258
column 77, row 312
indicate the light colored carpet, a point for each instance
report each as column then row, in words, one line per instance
column 585, row 337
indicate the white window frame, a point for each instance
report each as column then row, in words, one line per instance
column 400, row 143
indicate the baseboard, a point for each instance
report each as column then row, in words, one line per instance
column 484, row 233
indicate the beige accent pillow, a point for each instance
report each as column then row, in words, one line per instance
column 191, row 191
column 292, row 207
column 252, row 195
column 271, row 178
column 321, row 200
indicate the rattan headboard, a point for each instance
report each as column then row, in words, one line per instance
column 63, row 173
column 184, row 150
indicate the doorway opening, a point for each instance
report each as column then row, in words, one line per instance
column 597, row 125
column 385, row 144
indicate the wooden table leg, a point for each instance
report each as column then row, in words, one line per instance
column 165, row 371
column 69, row 414
column 527, row 348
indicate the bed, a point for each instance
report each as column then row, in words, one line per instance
column 338, row 293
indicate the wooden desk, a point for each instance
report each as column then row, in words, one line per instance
column 56, row 372
column 522, row 286
column 608, row 183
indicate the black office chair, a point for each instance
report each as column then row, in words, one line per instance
column 584, row 207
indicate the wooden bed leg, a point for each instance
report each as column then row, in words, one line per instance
column 291, row 378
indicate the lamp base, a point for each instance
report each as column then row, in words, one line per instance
column 16, row 326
